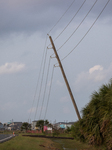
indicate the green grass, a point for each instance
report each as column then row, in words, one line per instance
column 75, row 145
column 27, row 143
column 31, row 143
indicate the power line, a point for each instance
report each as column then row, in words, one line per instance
column 41, row 84
column 43, row 56
column 87, row 31
column 70, row 20
column 78, row 26
column 61, row 17
column 37, row 85
column 48, row 33
column 45, row 88
column 49, row 92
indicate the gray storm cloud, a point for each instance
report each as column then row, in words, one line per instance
column 23, row 28
column 30, row 16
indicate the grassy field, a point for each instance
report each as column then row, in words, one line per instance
column 75, row 145
column 28, row 143
column 31, row 143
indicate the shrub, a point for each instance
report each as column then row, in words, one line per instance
column 95, row 127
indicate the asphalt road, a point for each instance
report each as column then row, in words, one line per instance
column 5, row 137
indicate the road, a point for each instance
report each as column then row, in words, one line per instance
column 5, row 137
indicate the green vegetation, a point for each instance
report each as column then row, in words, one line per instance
column 75, row 145
column 41, row 123
column 33, row 143
column 28, row 143
column 26, row 126
column 56, row 132
column 95, row 127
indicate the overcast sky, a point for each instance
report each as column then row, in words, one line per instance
column 24, row 25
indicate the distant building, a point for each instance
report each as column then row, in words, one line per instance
column 63, row 125
column 69, row 124
column 48, row 129
column 33, row 125
column 59, row 125
column 5, row 126
column 15, row 126
column 45, row 128
column 1, row 126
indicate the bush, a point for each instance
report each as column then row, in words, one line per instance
column 55, row 132
column 95, row 127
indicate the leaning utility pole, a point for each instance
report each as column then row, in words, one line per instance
column 66, row 81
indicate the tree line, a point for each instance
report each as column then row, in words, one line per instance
column 40, row 124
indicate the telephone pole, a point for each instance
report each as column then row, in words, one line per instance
column 66, row 81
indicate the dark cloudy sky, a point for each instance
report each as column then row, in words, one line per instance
column 24, row 25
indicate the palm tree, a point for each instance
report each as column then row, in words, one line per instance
column 46, row 122
column 40, row 124
column 26, row 126
column 96, row 123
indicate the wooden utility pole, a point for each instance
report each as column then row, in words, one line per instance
column 66, row 81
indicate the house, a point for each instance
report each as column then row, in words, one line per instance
column 15, row 126
column 48, row 129
column 69, row 124
column 63, row 125
column 1, row 126
column 45, row 128
column 59, row 125
column 33, row 125
column 5, row 126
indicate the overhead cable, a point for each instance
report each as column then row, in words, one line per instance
column 49, row 93
column 41, row 84
column 37, row 85
column 61, row 16
column 78, row 25
column 70, row 20
column 45, row 88
column 87, row 31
